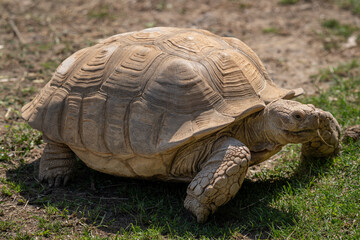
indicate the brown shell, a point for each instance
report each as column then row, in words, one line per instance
column 150, row 91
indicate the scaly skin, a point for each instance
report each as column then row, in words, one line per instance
column 57, row 164
column 326, row 143
column 220, row 178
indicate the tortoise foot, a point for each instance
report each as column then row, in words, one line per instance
column 327, row 143
column 57, row 164
column 201, row 211
column 219, row 180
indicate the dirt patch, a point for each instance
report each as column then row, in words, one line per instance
column 36, row 35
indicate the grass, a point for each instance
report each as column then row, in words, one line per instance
column 298, row 199
column 339, row 29
column 274, row 30
column 288, row 2
column 17, row 142
column 353, row 5
column 101, row 12
column 335, row 33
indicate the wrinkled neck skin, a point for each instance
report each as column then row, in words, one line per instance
column 255, row 133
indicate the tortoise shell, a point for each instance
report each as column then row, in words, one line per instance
column 151, row 91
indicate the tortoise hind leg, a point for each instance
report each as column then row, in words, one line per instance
column 220, row 178
column 57, row 164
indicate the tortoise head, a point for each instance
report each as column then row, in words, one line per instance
column 293, row 122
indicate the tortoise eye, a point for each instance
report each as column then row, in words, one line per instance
column 298, row 115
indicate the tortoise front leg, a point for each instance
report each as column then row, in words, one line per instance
column 220, row 178
column 326, row 143
column 57, row 164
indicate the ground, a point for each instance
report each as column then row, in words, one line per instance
column 294, row 41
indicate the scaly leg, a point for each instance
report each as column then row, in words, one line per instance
column 327, row 142
column 220, row 178
column 57, row 164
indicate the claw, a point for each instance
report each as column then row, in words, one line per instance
column 57, row 164
column 57, row 181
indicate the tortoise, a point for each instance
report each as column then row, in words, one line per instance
column 172, row 104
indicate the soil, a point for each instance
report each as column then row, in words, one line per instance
column 36, row 35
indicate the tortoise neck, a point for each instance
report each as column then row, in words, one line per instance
column 255, row 134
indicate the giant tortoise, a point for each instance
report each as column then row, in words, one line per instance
column 172, row 104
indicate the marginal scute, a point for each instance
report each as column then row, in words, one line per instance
column 54, row 114
column 115, row 126
column 143, row 121
column 93, row 123
column 141, row 168
column 34, row 111
column 71, row 120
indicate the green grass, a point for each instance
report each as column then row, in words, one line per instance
column 298, row 199
column 339, row 29
column 150, row 24
column 327, row 204
column 335, row 33
column 274, row 30
column 288, row 2
column 101, row 12
column 50, row 65
column 353, row 5
column 343, row 98
column 17, row 142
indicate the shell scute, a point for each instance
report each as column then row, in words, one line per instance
column 179, row 87
column 143, row 125
column 230, row 80
column 190, row 44
column 90, row 75
column 68, row 66
column 71, row 120
column 34, row 111
column 264, row 86
column 53, row 115
column 115, row 133
column 93, row 123
column 132, row 71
